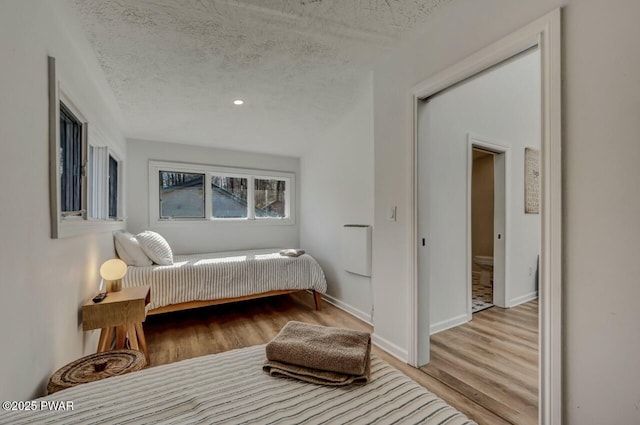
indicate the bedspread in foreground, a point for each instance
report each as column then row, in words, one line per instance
column 231, row 388
column 226, row 275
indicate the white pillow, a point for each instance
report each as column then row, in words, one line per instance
column 156, row 247
column 129, row 250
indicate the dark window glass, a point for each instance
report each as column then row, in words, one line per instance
column 113, row 187
column 228, row 197
column 70, row 161
column 270, row 198
column 181, row 195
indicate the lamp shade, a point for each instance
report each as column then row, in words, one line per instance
column 113, row 269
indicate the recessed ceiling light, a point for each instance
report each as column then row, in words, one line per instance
column 238, row 102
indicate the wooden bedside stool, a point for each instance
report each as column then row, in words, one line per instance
column 120, row 313
column 95, row 367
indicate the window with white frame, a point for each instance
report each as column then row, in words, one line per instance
column 105, row 180
column 85, row 174
column 180, row 192
column 229, row 197
column 72, row 154
column 269, row 195
column 114, row 191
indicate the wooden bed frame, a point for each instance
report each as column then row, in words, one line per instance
column 317, row 298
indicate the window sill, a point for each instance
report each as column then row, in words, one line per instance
column 223, row 221
column 68, row 228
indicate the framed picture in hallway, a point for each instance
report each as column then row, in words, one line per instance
column 531, row 181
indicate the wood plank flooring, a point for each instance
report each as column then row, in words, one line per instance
column 186, row 334
column 493, row 361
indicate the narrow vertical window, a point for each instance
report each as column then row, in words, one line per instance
column 82, row 196
column 70, row 162
column 113, row 187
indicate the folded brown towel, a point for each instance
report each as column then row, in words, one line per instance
column 315, row 376
column 292, row 252
column 320, row 347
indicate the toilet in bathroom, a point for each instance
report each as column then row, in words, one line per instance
column 486, row 268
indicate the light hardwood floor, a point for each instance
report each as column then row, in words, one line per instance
column 186, row 334
column 493, row 361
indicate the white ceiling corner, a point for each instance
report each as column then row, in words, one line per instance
column 175, row 66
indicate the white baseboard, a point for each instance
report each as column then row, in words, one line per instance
column 349, row 309
column 385, row 345
column 448, row 324
column 391, row 348
column 523, row 299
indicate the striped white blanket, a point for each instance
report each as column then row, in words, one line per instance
column 231, row 388
column 226, row 275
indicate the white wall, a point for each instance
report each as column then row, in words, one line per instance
column 43, row 281
column 337, row 189
column 601, row 96
column 198, row 237
column 502, row 107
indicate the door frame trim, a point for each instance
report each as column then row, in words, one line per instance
column 544, row 32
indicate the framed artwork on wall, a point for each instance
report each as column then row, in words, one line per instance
column 531, row 181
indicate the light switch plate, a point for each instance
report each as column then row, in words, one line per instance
column 391, row 214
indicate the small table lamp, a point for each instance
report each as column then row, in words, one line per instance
column 112, row 271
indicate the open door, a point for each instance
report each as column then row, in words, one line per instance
column 424, row 245
column 500, row 153
column 500, row 238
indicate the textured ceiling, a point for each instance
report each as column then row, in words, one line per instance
column 175, row 66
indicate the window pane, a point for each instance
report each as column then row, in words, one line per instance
column 70, row 161
column 270, row 198
column 113, row 187
column 181, row 195
column 228, row 197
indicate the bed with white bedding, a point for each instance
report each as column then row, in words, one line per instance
column 231, row 388
column 205, row 279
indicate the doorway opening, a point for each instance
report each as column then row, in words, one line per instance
column 482, row 218
column 482, row 225
column 487, row 200
column 545, row 34
column 481, row 239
